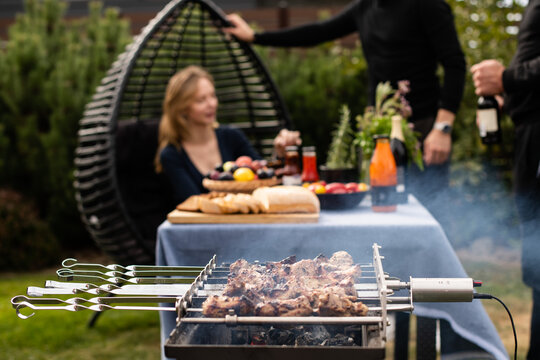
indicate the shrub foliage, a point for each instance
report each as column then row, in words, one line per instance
column 49, row 69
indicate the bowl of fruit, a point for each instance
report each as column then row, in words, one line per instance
column 240, row 176
column 339, row 196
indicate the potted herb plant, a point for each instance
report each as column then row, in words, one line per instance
column 341, row 162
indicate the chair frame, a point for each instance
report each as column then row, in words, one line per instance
column 104, row 210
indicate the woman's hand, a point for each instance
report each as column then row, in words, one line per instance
column 286, row 138
column 239, row 28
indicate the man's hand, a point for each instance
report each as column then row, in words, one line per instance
column 487, row 77
column 239, row 28
column 437, row 145
column 284, row 139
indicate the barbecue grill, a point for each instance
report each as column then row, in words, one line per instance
column 232, row 336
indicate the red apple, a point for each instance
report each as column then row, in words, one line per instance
column 243, row 161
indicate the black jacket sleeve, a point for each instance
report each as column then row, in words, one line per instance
column 312, row 34
column 439, row 26
column 522, row 76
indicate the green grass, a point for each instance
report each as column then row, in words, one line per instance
column 128, row 335
column 133, row 335
column 503, row 279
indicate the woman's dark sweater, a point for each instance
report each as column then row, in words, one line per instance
column 185, row 178
column 402, row 40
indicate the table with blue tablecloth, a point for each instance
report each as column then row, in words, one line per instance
column 412, row 243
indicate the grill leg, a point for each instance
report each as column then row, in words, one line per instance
column 401, row 339
column 426, row 329
column 93, row 319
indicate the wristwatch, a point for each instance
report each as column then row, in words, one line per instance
column 443, row 126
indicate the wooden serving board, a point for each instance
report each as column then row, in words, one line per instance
column 189, row 217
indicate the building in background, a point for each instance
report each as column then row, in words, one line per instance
column 268, row 14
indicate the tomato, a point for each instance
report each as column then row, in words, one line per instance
column 363, row 187
column 335, row 188
column 351, row 187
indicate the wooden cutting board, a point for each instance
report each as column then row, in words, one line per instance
column 189, row 217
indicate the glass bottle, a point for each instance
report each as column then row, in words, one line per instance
column 309, row 164
column 383, row 176
column 291, row 170
column 488, row 119
column 399, row 150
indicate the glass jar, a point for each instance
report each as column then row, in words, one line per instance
column 291, row 170
column 309, row 164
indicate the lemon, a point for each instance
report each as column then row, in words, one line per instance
column 243, row 174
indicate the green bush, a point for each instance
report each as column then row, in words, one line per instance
column 315, row 83
column 49, row 69
column 27, row 242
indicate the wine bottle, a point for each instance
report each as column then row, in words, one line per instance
column 488, row 119
column 383, row 176
column 397, row 145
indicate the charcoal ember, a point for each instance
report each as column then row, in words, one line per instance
column 258, row 339
column 315, row 336
column 277, row 336
column 339, row 340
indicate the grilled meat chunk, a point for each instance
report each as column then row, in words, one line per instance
column 219, row 306
column 290, row 288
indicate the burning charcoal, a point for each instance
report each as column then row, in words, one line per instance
column 279, row 337
column 258, row 339
column 314, row 336
column 341, row 340
column 239, row 337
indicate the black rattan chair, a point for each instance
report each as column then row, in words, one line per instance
column 121, row 199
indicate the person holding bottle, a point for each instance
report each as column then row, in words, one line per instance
column 401, row 40
column 519, row 83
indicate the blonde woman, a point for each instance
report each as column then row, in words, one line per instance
column 190, row 141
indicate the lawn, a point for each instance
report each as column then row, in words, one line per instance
column 132, row 335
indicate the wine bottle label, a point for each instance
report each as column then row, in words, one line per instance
column 291, row 180
column 487, row 121
column 383, row 195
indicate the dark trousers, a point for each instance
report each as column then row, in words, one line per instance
column 431, row 185
column 527, row 196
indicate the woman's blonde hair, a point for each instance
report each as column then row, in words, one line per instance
column 179, row 96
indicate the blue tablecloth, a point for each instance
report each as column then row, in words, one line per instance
column 413, row 244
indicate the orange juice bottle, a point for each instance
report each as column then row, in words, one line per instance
column 383, row 176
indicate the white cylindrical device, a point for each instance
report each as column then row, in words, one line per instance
column 441, row 289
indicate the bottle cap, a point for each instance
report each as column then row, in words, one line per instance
column 308, row 149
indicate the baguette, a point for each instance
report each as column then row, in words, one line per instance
column 287, row 199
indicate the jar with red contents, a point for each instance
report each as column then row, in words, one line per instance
column 309, row 164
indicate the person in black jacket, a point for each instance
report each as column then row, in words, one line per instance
column 520, row 85
column 401, row 40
